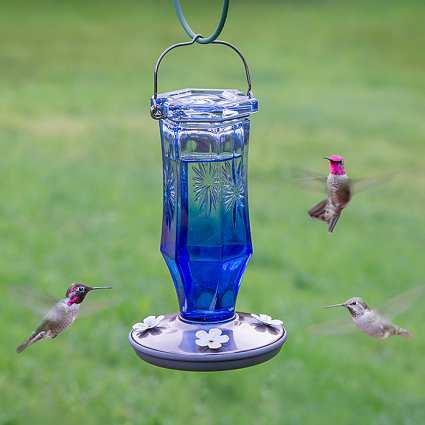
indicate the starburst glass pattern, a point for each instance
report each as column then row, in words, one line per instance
column 233, row 188
column 206, row 185
column 169, row 193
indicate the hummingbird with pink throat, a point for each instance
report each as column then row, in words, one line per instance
column 339, row 194
column 61, row 315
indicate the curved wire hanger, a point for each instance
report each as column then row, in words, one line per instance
column 202, row 40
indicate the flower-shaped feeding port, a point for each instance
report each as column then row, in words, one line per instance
column 149, row 323
column 266, row 320
column 213, row 339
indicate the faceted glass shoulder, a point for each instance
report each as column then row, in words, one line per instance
column 205, row 105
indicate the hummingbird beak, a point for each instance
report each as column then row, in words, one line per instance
column 327, row 158
column 335, row 305
column 93, row 288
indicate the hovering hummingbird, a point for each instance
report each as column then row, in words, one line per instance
column 339, row 189
column 61, row 315
column 369, row 321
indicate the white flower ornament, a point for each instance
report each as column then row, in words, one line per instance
column 149, row 322
column 212, row 339
column 266, row 320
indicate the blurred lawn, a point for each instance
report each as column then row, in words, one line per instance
column 81, row 199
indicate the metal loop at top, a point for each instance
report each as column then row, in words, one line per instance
column 191, row 34
column 155, row 112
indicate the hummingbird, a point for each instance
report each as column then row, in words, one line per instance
column 369, row 321
column 61, row 315
column 339, row 189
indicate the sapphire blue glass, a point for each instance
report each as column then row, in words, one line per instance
column 206, row 239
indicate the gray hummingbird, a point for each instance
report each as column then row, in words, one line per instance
column 339, row 189
column 370, row 321
column 61, row 315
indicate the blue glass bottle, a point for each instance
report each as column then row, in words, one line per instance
column 206, row 239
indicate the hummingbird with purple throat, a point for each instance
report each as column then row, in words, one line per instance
column 370, row 321
column 61, row 315
column 339, row 191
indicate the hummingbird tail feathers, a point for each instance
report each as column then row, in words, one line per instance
column 33, row 338
column 323, row 211
column 319, row 210
column 332, row 222
column 22, row 347
column 404, row 333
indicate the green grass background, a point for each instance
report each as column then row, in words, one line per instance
column 81, row 200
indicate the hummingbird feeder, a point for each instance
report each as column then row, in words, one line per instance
column 206, row 237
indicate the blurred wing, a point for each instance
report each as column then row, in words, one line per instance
column 37, row 302
column 401, row 303
column 309, row 180
column 333, row 327
column 359, row 185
